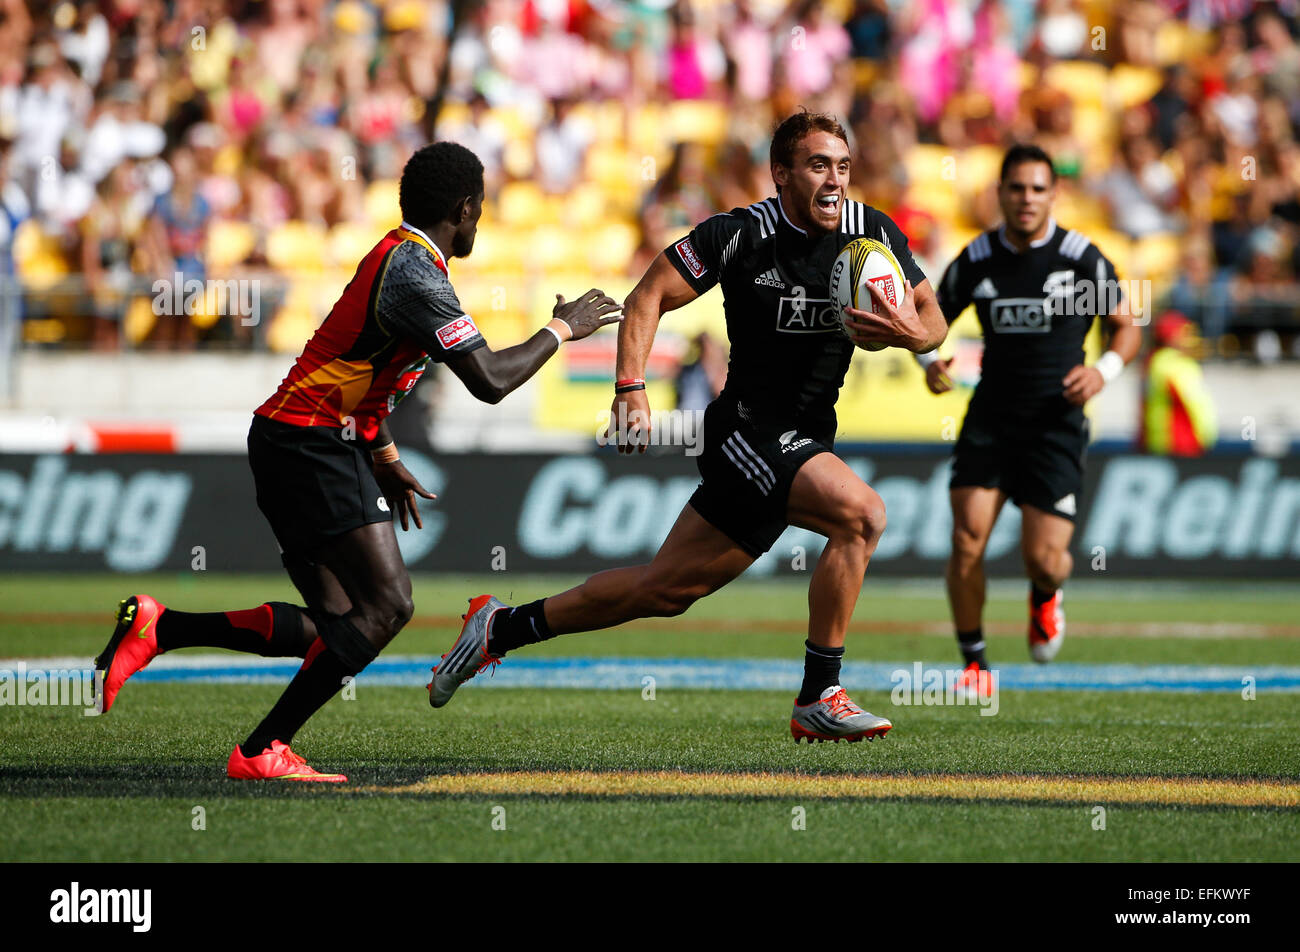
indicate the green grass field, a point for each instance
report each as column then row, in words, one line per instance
column 692, row 774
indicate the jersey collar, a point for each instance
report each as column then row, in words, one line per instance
column 425, row 240
column 785, row 218
column 1002, row 237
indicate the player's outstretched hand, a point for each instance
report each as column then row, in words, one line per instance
column 1082, row 384
column 936, row 376
column 400, row 489
column 897, row 326
column 588, row 313
column 629, row 421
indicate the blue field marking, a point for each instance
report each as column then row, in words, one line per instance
column 735, row 674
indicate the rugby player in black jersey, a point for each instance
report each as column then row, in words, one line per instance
column 1037, row 288
column 328, row 474
column 768, row 459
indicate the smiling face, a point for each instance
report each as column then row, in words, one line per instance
column 1026, row 197
column 812, row 187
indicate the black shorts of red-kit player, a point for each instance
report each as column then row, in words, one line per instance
column 313, row 485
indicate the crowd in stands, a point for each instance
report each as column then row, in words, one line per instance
column 217, row 139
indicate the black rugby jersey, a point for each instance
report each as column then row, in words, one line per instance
column 788, row 355
column 1035, row 309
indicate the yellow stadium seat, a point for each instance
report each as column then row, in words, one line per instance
column 1075, row 209
column 1081, row 80
column 584, row 207
column 38, row 257
column 555, row 247
column 931, row 163
column 1157, row 257
column 381, row 203
column 454, row 113
column 349, row 242
column 295, row 321
column 1133, row 85
column 933, row 196
column 518, row 159
column 977, row 167
column 296, row 246
column 612, row 167
column 501, row 248
column 521, row 204
column 229, row 243
column 516, row 124
column 697, row 121
column 503, row 328
column 1028, row 75
column 610, row 248
column 1116, row 246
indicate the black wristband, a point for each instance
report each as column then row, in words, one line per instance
column 629, row 387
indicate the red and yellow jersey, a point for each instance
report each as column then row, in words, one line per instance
column 397, row 314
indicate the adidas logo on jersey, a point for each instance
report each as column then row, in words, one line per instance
column 985, row 289
column 770, row 279
column 1065, row 504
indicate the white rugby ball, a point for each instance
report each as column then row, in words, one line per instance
column 861, row 262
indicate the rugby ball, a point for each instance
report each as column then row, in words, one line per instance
column 865, row 261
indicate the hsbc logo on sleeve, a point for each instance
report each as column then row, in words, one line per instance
column 461, row 329
column 690, row 258
column 803, row 315
column 1020, row 316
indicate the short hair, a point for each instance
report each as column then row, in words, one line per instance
column 435, row 178
column 794, row 128
column 1024, row 152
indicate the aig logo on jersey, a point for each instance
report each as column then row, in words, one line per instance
column 1020, row 316
column 804, row 315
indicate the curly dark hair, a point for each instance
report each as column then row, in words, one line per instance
column 793, row 128
column 435, row 179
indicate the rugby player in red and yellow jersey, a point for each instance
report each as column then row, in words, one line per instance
column 328, row 475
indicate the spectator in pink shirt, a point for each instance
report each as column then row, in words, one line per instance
column 816, row 44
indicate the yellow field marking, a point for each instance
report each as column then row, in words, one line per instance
column 1049, row 789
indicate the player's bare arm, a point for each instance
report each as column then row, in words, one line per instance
column 399, row 486
column 491, row 374
column 660, row 290
column 917, row 324
column 1083, row 383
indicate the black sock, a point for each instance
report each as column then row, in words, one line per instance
column 1038, row 597
column 972, row 646
column 516, row 627
column 821, row 669
column 273, row 630
column 319, row 679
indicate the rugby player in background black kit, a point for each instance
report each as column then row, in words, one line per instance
column 328, row 475
column 768, row 458
column 1037, row 289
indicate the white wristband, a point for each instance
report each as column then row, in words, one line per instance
column 928, row 358
column 1109, row 365
column 558, row 339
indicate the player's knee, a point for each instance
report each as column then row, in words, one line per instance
column 1043, row 562
column 967, row 546
column 866, row 516
column 670, row 599
column 390, row 610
